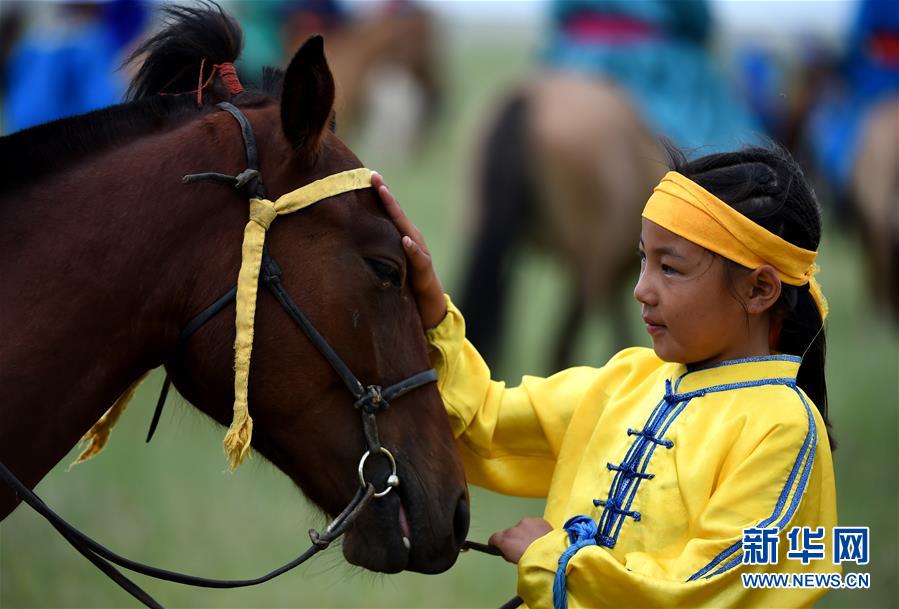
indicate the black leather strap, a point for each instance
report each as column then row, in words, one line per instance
column 189, row 330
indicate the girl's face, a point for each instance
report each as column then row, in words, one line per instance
column 687, row 303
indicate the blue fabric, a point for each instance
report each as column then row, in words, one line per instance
column 53, row 76
column 833, row 132
column 834, row 124
column 746, row 360
column 581, row 533
column 671, row 79
column 686, row 19
column 869, row 77
column 125, row 20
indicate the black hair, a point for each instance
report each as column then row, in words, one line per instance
column 766, row 185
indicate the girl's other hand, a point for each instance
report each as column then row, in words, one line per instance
column 514, row 541
column 425, row 284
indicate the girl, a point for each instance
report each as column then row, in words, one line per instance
column 654, row 465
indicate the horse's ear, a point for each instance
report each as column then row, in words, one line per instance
column 307, row 96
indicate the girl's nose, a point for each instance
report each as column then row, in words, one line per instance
column 643, row 291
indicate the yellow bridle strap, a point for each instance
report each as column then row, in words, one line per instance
column 690, row 211
column 262, row 214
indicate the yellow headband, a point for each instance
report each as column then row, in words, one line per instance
column 262, row 213
column 687, row 209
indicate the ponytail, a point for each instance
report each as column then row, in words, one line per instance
column 802, row 333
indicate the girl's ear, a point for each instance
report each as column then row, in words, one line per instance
column 762, row 289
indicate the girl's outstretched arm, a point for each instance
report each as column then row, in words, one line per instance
column 508, row 437
column 424, row 281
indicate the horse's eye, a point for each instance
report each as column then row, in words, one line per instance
column 387, row 273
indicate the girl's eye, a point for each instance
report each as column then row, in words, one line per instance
column 387, row 273
column 667, row 269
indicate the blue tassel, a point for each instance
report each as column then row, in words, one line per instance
column 581, row 532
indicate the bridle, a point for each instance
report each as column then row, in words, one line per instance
column 368, row 400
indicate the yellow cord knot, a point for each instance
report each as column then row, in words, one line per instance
column 262, row 212
column 238, row 438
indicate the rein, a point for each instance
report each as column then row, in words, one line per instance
column 369, row 400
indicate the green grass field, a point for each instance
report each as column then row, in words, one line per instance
column 171, row 504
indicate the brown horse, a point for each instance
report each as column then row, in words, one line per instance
column 106, row 256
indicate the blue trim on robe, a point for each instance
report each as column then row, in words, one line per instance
column 652, row 448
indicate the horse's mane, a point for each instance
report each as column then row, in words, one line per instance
column 158, row 96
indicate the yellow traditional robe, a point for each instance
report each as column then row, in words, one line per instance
column 672, row 464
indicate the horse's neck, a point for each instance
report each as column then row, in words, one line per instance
column 101, row 266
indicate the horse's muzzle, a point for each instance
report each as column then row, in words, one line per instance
column 429, row 542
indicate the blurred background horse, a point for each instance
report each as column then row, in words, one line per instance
column 574, row 153
column 385, row 59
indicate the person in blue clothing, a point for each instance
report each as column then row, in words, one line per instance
column 851, row 134
column 67, row 62
column 657, row 52
column 866, row 75
column 273, row 29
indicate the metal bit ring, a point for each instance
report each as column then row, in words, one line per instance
column 392, row 480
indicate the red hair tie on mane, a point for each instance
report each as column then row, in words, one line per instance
column 228, row 74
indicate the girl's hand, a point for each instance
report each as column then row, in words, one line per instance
column 425, row 284
column 513, row 542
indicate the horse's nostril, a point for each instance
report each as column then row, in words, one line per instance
column 460, row 521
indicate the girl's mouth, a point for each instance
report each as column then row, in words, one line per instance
column 653, row 328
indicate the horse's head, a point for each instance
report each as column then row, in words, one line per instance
column 342, row 262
